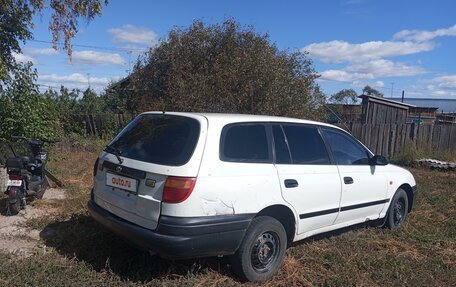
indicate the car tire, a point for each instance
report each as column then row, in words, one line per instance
column 397, row 212
column 262, row 250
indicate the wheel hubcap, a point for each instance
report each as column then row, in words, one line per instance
column 264, row 251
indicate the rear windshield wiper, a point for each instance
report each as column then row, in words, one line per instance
column 114, row 151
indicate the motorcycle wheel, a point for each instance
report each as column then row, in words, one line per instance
column 16, row 206
column 40, row 193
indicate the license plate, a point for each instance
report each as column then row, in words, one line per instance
column 121, row 182
column 14, row 182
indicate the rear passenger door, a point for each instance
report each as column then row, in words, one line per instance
column 364, row 187
column 309, row 182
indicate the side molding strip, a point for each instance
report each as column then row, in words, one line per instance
column 344, row 208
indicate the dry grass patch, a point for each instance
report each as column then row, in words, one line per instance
column 78, row 252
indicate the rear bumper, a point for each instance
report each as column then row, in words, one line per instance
column 178, row 237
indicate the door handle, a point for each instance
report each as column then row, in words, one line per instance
column 348, row 180
column 290, row 183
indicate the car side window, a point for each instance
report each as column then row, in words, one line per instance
column 305, row 145
column 345, row 149
column 245, row 143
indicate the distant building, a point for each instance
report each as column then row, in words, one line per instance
column 377, row 110
column 446, row 118
column 443, row 105
column 422, row 115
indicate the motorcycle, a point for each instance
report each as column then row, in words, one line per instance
column 26, row 175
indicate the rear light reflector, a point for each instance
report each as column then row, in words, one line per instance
column 95, row 167
column 178, row 189
column 15, row 177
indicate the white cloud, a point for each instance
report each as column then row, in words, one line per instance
column 422, row 36
column 134, row 35
column 22, row 58
column 444, row 82
column 41, row 52
column 97, row 58
column 385, row 68
column 371, row 70
column 74, row 80
column 379, row 84
column 363, row 83
column 343, row 76
column 339, row 51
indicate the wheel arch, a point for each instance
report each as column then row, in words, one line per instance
column 410, row 197
column 285, row 216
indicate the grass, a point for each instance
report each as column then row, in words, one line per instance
column 77, row 252
column 410, row 153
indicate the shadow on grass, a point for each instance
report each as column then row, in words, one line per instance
column 82, row 238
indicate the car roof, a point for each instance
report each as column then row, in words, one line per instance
column 226, row 118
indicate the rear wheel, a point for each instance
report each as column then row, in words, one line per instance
column 397, row 212
column 262, row 250
column 14, row 201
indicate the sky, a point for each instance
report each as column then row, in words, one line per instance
column 389, row 45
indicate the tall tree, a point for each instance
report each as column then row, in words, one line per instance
column 225, row 68
column 368, row 90
column 345, row 96
column 16, row 23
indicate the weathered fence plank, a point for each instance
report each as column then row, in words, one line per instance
column 391, row 139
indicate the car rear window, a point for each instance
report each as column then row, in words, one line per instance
column 245, row 143
column 160, row 139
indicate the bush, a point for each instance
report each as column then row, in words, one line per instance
column 23, row 111
column 223, row 68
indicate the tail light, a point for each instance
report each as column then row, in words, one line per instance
column 15, row 177
column 95, row 167
column 178, row 189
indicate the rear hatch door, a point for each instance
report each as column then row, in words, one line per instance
column 133, row 169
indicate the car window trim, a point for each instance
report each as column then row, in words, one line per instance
column 274, row 152
column 350, row 138
column 225, row 128
column 329, row 153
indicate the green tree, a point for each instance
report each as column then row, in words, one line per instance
column 224, row 68
column 23, row 111
column 367, row 90
column 91, row 103
column 16, row 23
column 345, row 96
column 63, row 105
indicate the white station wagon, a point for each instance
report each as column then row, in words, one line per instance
column 187, row 185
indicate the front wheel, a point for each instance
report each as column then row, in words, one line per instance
column 398, row 210
column 40, row 193
column 261, row 251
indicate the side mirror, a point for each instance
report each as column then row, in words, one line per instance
column 378, row 160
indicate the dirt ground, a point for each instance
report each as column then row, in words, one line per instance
column 14, row 236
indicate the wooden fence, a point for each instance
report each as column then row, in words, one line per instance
column 391, row 139
column 385, row 139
